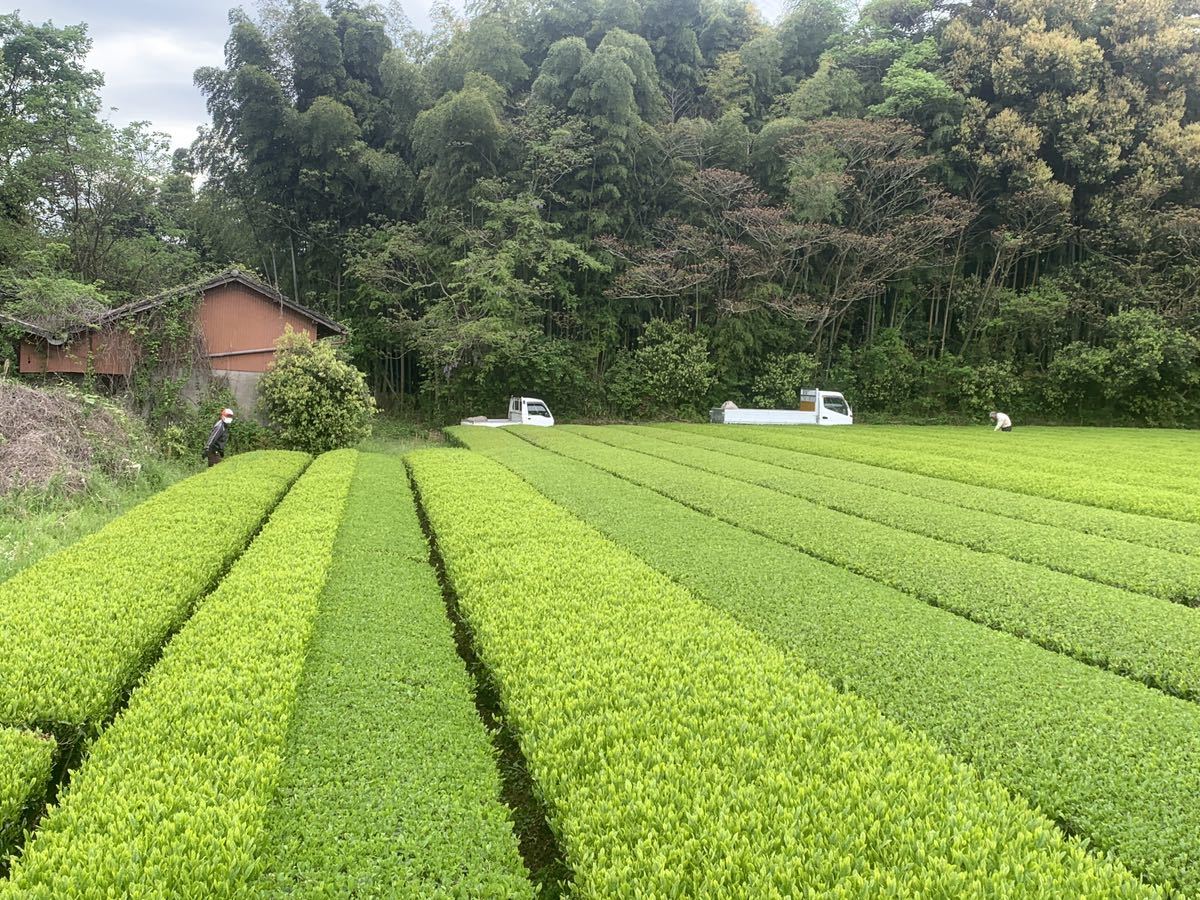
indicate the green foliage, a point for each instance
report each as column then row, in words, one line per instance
column 176, row 804
column 312, row 400
column 668, row 374
column 872, row 463
column 1100, row 559
column 940, row 171
column 694, row 684
column 782, row 378
column 26, row 764
column 1103, row 756
column 1129, row 633
column 419, row 781
column 79, row 627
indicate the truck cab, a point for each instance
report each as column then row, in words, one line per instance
column 529, row 411
column 521, row 411
column 830, row 406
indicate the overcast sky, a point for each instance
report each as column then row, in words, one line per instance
column 148, row 50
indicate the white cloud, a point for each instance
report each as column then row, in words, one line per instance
column 148, row 77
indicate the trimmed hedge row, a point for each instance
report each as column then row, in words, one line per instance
column 1170, row 576
column 680, row 755
column 1112, row 760
column 775, row 447
column 410, row 807
column 1145, row 638
column 172, row 798
column 26, row 766
column 1077, row 459
column 1019, row 477
column 78, row 628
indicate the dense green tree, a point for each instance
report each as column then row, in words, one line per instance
column 942, row 204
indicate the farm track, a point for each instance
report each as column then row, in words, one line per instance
column 1144, row 638
column 1106, row 757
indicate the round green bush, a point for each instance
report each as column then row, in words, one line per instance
column 312, row 400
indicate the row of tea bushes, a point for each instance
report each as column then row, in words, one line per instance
column 79, row 627
column 26, row 765
column 1084, row 487
column 1170, row 576
column 1115, row 762
column 172, row 798
column 680, row 755
column 389, row 785
column 1148, row 639
column 776, row 447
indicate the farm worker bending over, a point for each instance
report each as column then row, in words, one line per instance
column 1003, row 422
column 214, row 448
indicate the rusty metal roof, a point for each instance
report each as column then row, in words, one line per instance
column 135, row 307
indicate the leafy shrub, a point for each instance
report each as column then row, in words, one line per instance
column 419, row 779
column 783, row 377
column 77, row 628
column 26, row 764
column 664, row 737
column 172, row 798
column 312, row 400
column 670, row 373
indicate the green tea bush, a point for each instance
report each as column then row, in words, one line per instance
column 1143, row 637
column 783, row 449
column 26, row 764
column 418, row 782
column 1080, row 486
column 679, row 755
column 1171, row 576
column 79, row 627
column 172, row 798
column 312, row 400
column 1112, row 760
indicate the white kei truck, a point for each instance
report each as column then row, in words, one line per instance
column 521, row 411
column 815, row 408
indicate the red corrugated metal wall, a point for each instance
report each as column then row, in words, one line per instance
column 240, row 327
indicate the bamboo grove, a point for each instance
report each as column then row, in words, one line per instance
column 641, row 208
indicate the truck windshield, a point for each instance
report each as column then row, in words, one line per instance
column 537, row 409
column 834, row 404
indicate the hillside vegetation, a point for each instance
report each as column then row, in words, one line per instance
column 938, row 206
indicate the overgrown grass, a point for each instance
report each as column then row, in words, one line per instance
column 395, row 435
column 35, row 524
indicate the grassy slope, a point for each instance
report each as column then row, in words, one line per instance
column 33, row 526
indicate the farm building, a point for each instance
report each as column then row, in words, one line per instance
column 235, row 320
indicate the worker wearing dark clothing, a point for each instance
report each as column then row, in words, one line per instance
column 214, row 447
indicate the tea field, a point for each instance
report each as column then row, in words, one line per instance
column 622, row 661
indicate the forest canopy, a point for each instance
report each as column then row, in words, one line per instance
column 642, row 208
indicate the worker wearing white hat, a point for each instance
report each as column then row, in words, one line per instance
column 1003, row 422
column 214, row 447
